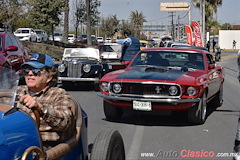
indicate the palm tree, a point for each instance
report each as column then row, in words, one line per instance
column 137, row 20
column 210, row 8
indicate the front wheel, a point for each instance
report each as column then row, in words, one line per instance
column 108, row 145
column 198, row 113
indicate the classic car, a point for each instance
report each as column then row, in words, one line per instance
column 110, row 52
column 81, row 65
column 20, row 137
column 164, row 79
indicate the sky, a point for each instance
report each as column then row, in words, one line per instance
column 227, row 13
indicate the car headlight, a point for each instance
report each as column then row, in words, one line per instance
column 87, row 68
column 173, row 90
column 191, row 91
column 104, row 86
column 61, row 68
column 117, row 88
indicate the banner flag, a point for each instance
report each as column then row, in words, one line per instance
column 197, row 34
column 188, row 30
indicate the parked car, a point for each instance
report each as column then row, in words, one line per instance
column 144, row 44
column 20, row 137
column 71, row 38
column 164, row 79
column 57, row 37
column 110, row 51
column 100, row 39
column 12, row 52
column 26, row 34
column 108, row 40
column 83, row 39
column 81, row 65
column 42, row 35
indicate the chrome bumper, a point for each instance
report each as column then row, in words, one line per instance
column 78, row 79
column 162, row 100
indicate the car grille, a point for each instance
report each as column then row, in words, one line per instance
column 74, row 69
column 134, row 89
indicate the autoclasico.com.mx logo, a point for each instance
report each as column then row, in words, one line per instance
column 187, row 154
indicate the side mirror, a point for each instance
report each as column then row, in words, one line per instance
column 211, row 66
column 12, row 48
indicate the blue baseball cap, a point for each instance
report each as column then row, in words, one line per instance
column 39, row 61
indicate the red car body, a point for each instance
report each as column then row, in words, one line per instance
column 167, row 82
column 12, row 52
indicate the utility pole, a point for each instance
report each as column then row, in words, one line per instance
column 173, row 28
column 89, row 39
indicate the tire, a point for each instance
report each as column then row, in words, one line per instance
column 217, row 101
column 108, row 145
column 198, row 113
column 111, row 112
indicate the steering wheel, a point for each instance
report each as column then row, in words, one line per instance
column 37, row 116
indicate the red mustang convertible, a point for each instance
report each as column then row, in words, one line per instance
column 172, row 79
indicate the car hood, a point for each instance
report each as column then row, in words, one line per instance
column 153, row 74
column 90, row 53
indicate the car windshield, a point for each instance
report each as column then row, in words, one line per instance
column 143, row 44
column 105, row 48
column 0, row 43
column 38, row 32
column 22, row 31
column 169, row 59
column 57, row 34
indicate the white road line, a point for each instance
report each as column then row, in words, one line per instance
column 136, row 143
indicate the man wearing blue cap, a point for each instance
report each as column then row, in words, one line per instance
column 51, row 102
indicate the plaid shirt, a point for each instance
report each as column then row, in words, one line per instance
column 58, row 118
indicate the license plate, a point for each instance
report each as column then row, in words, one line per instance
column 142, row 106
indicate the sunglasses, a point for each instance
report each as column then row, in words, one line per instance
column 35, row 71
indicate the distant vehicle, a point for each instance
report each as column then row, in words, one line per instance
column 12, row 52
column 172, row 79
column 108, row 40
column 71, row 38
column 152, row 43
column 166, row 38
column 110, row 51
column 144, row 44
column 100, row 39
column 83, row 39
column 42, row 36
column 57, row 37
column 26, row 34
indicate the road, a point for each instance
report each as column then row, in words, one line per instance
column 148, row 136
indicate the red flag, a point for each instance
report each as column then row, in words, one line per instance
column 189, row 34
column 197, row 34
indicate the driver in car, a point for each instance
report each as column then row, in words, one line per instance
column 51, row 102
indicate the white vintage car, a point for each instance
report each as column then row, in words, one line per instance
column 110, row 51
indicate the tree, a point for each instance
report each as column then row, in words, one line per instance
column 210, row 9
column 109, row 25
column 66, row 21
column 79, row 14
column 11, row 11
column 137, row 20
column 45, row 13
column 226, row 26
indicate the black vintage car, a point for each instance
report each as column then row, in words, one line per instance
column 81, row 65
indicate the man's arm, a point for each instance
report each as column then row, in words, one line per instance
column 126, row 41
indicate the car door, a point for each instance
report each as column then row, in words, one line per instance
column 213, row 76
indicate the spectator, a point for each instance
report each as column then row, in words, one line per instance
column 130, row 46
column 214, row 44
column 208, row 46
column 234, row 44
